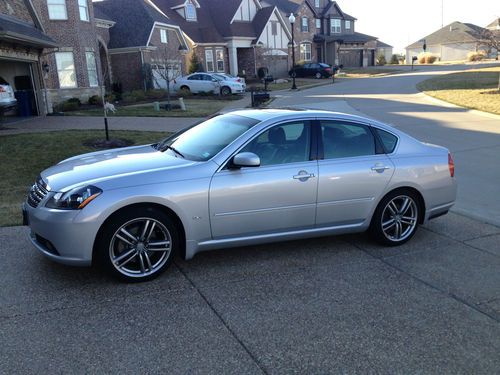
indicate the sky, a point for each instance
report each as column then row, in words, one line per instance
column 402, row 22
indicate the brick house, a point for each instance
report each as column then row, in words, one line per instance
column 140, row 43
column 324, row 33
column 235, row 36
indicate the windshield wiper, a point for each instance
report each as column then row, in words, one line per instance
column 166, row 147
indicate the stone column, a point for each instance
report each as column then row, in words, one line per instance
column 233, row 60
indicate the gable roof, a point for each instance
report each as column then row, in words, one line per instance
column 456, row 32
column 495, row 25
column 346, row 38
column 334, row 9
column 290, row 6
column 134, row 21
column 17, row 31
column 383, row 45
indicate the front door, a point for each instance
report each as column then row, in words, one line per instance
column 279, row 195
column 353, row 176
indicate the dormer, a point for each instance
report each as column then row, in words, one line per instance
column 187, row 10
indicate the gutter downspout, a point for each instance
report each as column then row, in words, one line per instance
column 142, row 69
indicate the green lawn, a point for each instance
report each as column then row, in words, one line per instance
column 475, row 89
column 24, row 156
column 195, row 108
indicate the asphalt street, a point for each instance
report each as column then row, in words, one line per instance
column 323, row 306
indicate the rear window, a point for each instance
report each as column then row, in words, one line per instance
column 324, row 65
column 3, row 81
column 389, row 140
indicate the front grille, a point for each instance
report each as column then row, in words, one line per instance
column 37, row 192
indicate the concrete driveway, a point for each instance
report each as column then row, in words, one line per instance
column 337, row 305
column 473, row 138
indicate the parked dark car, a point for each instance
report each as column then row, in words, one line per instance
column 318, row 70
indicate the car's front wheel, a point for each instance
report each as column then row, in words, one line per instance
column 395, row 220
column 137, row 244
column 225, row 91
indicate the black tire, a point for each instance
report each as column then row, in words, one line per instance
column 387, row 233
column 108, row 244
column 225, row 91
column 185, row 90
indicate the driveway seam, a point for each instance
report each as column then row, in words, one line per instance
column 224, row 323
column 450, row 295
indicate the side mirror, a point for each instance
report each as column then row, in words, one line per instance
column 245, row 159
column 214, row 80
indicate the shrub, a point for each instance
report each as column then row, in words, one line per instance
column 110, row 97
column 74, row 100
column 66, row 106
column 194, row 64
column 155, row 94
column 138, row 94
column 381, row 60
column 395, row 60
column 475, row 56
column 427, row 58
column 95, row 100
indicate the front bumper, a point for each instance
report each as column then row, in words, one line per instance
column 60, row 236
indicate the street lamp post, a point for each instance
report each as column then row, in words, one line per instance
column 292, row 21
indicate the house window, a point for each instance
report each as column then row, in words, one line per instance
column 83, row 7
column 57, row 9
column 305, row 25
column 209, row 60
column 163, row 36
column 348, row 25
column 318, row 23
column 65, row 69
column 190, row 12
column 335, row 26
column 316, row 3
column 274, row 28
column 92, row 69
column 219, row 56
column 305, row 51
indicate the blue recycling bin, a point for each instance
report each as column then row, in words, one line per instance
column 24, row 102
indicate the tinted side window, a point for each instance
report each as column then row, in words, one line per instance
column 343, row 140
column 389, row 140
column 282, row 144
column 195, row 77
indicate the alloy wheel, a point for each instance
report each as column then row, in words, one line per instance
column 140, row 247
column 399, row 218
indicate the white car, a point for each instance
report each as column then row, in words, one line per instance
column 207, row 82
column 7, row 98
column 230, row 77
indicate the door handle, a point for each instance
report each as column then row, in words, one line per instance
column 303, row 176
column 380, row 168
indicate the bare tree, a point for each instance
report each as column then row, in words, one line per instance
column 491, row 39
column 167, row 67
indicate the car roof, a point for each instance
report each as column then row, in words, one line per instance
column 267, row 114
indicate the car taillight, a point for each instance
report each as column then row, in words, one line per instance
column 2, row 89
column 451, row 165
column 328, row 70
column 238, row 80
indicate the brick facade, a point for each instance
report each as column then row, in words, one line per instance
column 16, row 9
column 304, row 37
column 127, row 70
column 72, row 35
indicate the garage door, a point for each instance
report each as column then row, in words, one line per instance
column 351, row 58
column 160, row 74
column 19, row 75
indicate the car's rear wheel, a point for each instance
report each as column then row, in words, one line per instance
column 318, row 75
column 396, row 218
column 137, row 244
column 185, row 90
column 225, row 91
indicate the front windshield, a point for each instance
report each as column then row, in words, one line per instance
column 203, row 141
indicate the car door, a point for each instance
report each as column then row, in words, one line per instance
column 209, row 85
column 195, row 83
column 353, row 173
column 279, row 195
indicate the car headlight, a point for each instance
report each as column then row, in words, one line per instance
column 74, row 199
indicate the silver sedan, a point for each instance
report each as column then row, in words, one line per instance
column 248, row 177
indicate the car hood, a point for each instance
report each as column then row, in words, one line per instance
column 103, row 165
